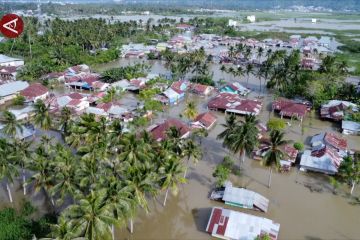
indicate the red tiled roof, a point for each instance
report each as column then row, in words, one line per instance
column 74, row 102
column 34, row 90
column 228, row 101
column 289, row 108
column 335, row 141
column 76, row 95
column 159, row 132
column 200, row 88
column 207, row 119
column 291, row 152
column 177, row 85
column 216, row 218
column 334, row 156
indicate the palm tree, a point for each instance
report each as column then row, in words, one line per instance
column 260, row 53
column 61, row 231
column 191, row 150
column 65, row 175
column 349, row 170
column 119, row 198
column 12, row 126
column 274, row 154
column 91, row 217
column 229, row 126
column 244, row 137
column 8, row 168
column 190, row 111
column 133, row 151
column 65, row 120
column 23, row 155
column 42, row 118
column 171, row 171
column 249, row 70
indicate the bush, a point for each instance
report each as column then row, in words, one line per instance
column 299, row 146
column 276, row 124
column 19, row 100
column 221, row 174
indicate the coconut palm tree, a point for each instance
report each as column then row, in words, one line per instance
column 260, row 52
column 190, row 110
column 274, row 154
column 229, row 126
column 133, row 151
column 249, row 70
column 8, row 168
column 349, row 171
column 23, row 155
column 170, row 172
column 91, row 217
column 61, row 231
column 42, row 117
column 65, row 175
column 65, row 120
column 12, row 126
column 191, row 150
column 244, row 137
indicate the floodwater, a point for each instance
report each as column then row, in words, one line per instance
column 302, row 214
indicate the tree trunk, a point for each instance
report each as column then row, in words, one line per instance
column 186, row 169
column 269, row 182
column 24, row 181
column 166, row 195
column 131, row 225
column 30, row 47
column 9, row 192
column 352, row 187
column 113, row 232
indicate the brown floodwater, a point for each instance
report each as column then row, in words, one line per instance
column 303, row 214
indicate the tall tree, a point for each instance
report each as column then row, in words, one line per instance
column 191, row 150
column 12, row 125
column 42, row 117
column 190, row 110
column 349, row 170
column 274, row 154
column 8, row 168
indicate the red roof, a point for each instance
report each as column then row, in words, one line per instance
column 74, row 102
column 234, row 103
column 159, row 132
column 217, row 218
column 291, row 152
column 207, row 119
column 335, row 141
column 76, row 95
column 33, row 91
column 183, row 25
column 177, row 85
column 200, row 88
column 334, row 156
column 289, row 108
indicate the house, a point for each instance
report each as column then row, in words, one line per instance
column 336, row 109
column 8, row 73
column 290, row 152
column 26, row 132
column 204, row 120
column 251, row 18
column 244, row 198
column 200, row 89
column 57, row 76
column 35, row 92
column 232, row 103
column 331, row 139
column 75, row 70
column 114, row 111
column 75, row 101
column 233, row 23
column 350, row 128
column 23, row 113
column 9, row 90
column 235, row 88
column 180, row 86
column 6, row 61
column 184, row 27
column 290, row 108
column 325, row 160
column 308, row 62
column 171, row 96
column 228, row 224
column 159, row 131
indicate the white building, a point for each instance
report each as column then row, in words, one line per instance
column 233, row 23
column 251, row 18
column 6, row 61
column 9, row 90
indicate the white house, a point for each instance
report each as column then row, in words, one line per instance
column 9, row 90
column 35, row 92
column 350, row 128
column 6, row 61
column 233, row 23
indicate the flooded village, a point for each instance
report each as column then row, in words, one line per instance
column 303, row 201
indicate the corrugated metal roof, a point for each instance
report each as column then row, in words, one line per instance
column 12, row 88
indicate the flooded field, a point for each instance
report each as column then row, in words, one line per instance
column 302, row 214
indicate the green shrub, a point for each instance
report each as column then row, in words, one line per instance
column 19, row 100
column 299, row 146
